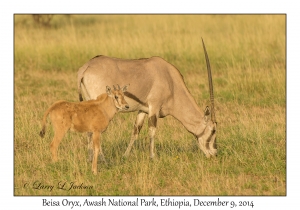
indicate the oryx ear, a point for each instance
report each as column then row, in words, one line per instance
column 108, row 91
column 206, row 114
column 124, row 89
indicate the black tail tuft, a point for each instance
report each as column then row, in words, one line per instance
column 42, row 133
column 80, row 97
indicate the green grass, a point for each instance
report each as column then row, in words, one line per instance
column 247, row 54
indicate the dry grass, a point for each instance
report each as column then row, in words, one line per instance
column 247, row 55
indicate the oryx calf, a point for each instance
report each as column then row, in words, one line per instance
column 88, row 116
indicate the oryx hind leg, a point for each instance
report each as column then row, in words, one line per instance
column 136, row 130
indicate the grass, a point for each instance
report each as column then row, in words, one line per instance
column 247, row 54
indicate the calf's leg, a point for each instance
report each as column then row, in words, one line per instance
column 91, row 148
column 58, row 136
column 96, row 148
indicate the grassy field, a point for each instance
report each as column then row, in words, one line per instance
column 248, row 59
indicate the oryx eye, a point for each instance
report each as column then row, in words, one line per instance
column 116, row 97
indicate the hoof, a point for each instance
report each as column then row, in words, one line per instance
column 124, row 158
column 126, row 155
column 152, row 156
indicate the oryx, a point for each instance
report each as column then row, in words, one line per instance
column 156, row 88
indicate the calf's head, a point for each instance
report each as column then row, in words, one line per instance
column 117, row 94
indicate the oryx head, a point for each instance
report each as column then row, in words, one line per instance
column 207, row 139
column 117, row 94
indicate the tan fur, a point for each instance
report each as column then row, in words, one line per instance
column 88, row 116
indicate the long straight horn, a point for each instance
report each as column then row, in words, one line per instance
column 211, row 89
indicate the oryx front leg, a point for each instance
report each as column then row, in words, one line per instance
column 152, row 122
column 136, row 130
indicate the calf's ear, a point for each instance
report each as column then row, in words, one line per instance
column 124, row 89
column 108, row 91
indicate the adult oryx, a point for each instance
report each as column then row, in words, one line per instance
column 156, row 88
